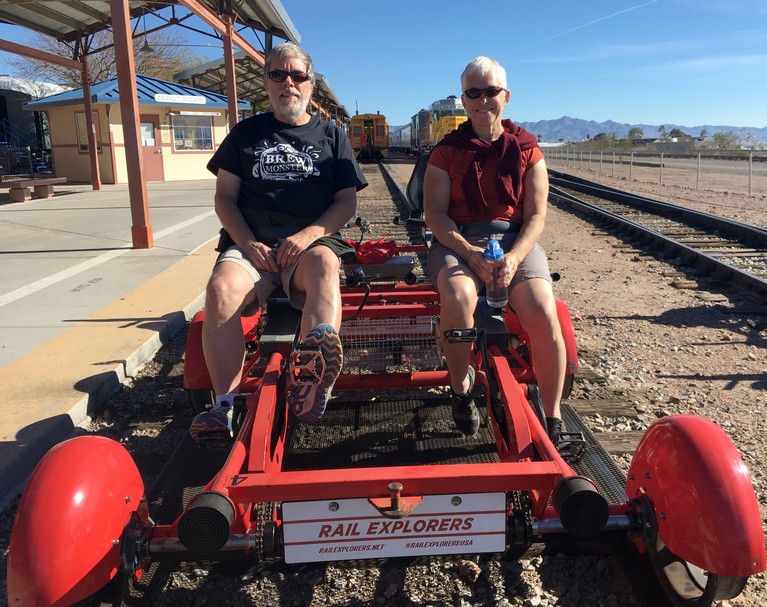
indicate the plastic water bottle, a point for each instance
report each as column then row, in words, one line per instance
column 496, row 295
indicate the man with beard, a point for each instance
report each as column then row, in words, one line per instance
column 286, row 182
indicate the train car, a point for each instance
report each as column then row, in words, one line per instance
column 369, row 135
column 400, row 140
column 430, row 126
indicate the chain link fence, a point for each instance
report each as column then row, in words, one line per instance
column 737, row 171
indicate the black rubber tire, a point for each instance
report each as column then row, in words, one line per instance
column 686, row 585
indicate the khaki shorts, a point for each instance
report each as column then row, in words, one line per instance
column 535, row 265
column 266, row 282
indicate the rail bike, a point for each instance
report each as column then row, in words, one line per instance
column 384, row 473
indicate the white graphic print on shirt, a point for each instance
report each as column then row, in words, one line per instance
column 283, row 162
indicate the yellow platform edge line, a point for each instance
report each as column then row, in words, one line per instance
column 48, row 392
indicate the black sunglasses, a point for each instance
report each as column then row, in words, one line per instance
column 489, row 91
column 295, row 76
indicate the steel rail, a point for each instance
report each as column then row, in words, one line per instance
column 738, row 234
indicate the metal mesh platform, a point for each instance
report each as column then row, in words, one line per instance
column 386, row 433
column 596, row 463
column 373, row 345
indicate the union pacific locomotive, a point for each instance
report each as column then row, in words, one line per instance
column 427, row 127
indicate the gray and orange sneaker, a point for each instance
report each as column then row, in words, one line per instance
column 313, row 368
column 212, row 429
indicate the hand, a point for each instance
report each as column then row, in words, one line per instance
column 509, row 268
column 479, row 266
column 261, row 256
column 291, row 248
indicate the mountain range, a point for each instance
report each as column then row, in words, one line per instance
column 577, row 129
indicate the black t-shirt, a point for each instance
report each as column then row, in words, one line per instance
column 290, row 174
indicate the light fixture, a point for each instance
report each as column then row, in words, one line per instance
column 145, row 48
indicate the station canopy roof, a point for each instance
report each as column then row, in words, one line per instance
column 68, row 20
column 150, row 91
column 71, row 20
column 211, row 76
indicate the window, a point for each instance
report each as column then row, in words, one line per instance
column 147, row 134
column 81, row 126
column 191, row 133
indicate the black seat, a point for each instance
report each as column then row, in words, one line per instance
column 414, row 189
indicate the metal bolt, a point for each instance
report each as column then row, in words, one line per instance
column 128, row 499
column 333, row 506
column 396, row 489
column 455, row 500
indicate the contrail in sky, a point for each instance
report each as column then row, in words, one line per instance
column 577, row 27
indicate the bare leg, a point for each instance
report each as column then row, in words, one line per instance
column 317, row 275
column 230, row 290
column 458, row 299
column 533, row 301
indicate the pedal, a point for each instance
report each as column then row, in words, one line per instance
column 307, row 365
column 215, row 441
column 571, row 446
column 460, row 336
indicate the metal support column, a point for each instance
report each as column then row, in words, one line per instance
column 141, row 229
column 231, row 75
column 93, row 150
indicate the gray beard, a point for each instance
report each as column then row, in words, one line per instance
column 292, row 110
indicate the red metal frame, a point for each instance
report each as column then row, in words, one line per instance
column 687, row 468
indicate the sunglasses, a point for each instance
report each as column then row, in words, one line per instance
column 281, row 75
column 489, row 91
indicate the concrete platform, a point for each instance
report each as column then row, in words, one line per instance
column 81, row 310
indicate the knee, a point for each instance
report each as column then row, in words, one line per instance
column 457, row 299
column 323, row 262
column 225, row 292
column 540, row 319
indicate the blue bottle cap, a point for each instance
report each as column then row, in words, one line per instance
column 493, row 252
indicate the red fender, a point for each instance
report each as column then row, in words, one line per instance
column 196, row 374
column 65, row 540
column 705, row 506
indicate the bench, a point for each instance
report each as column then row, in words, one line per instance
column 19, row 190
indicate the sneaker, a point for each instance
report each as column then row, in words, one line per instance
column 309, row 392
column 213, row 429
column 555, row 427
column 465, row 414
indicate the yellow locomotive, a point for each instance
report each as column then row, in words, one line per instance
column 429, row 126
column 369, row 136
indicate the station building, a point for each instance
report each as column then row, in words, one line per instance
column 181, row 127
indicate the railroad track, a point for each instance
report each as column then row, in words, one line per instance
column 726, row 251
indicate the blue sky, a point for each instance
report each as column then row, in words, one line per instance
column 688, row 62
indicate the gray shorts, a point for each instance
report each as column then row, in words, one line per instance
column 266, row 282
column 534, row 265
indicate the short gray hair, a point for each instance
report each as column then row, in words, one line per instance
column 288, row 50
column 484, row 66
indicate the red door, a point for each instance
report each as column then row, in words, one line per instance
column 151, row 149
